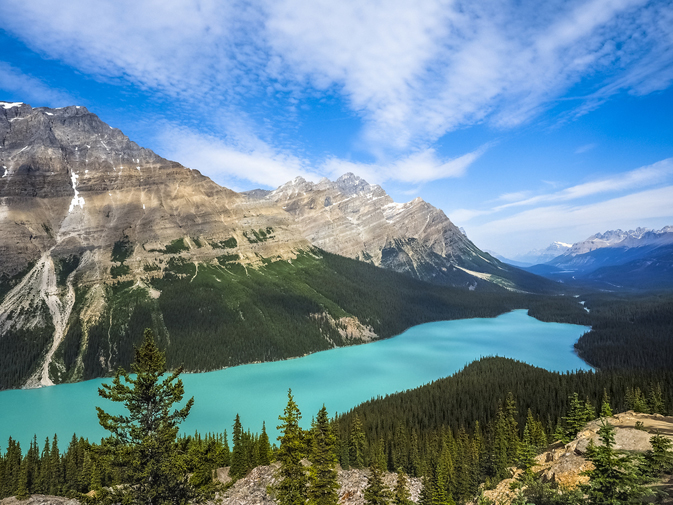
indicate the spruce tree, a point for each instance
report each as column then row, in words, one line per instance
column 526, row 458
column 376, row 492
column 659, row 459
column 23, row 490
column 606, row 411
column 614, row 480
column 656, row 400
column 356, row 447
column 401, row 495
column 291, row 490
column 323, row 484
column 575, row 419
column 142, row 442
column 239, row 464
column 264, row 451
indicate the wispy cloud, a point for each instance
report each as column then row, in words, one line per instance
column 30, row 89
column 413, row 71
column 571, row 223
column 230, row 161
column 418, row 167
column 633, row 208
column 638, row 178
column 585, row 148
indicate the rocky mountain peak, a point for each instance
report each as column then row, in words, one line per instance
column 351, row 184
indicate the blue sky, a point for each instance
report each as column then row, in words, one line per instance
column 525, row 121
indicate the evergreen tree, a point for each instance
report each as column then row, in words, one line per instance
column 55, row 477
column 376, row 492
column 526, row 452
column 323, row 483
column 614, row 479
column 589, row 411
column 659, row 459
column 143, row 442
column 264, row 450
column 656, row 400
column 606, row 411
column 401, row 494
column 23, row 489
column 576, row 418
column 291, row 490
column 356, row 447
column 636, row 401
column 239, row 463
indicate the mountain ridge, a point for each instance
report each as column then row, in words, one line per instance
column 102, row 237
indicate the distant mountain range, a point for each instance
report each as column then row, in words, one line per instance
column 537, row 256
column 101, row 237
column 634, row 259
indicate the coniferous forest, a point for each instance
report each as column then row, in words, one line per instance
column 458, row 433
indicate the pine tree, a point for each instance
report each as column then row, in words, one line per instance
column 376, row 492
column 23, row 491
column 606, row 411
column 656, row 400
column 526, row 452
column 55, row 477
column 323, row 483
column 659, row 459
column 239, row 464
column 264, row 450
column 614, row 479
column 45, row 469
column 143, row 442
column 291, row 490
column 356, row 447
column 575, row 420
column 589, row 411
column 401, row 494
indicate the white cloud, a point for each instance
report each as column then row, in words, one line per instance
column 229, row 162
column 412, row 70
column 418, row 167
column 539, row 226
column 638, row 178
column 30, row 89
column 181, row 48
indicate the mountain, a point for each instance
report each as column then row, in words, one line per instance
column 634, row 259
column 538, row 256
column 102, row 238
column 353, row 218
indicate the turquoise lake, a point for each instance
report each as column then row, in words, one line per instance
column 339, row 378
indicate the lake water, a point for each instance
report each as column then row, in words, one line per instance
column 339, row 378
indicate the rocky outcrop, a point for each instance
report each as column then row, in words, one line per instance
column 39, row 499
column 256, row 487
column 564, row 465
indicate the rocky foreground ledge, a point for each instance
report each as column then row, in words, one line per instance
column 564, row 464
column 252, row 490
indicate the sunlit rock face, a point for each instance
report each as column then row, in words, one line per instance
column 359, row 220
column 70, row 182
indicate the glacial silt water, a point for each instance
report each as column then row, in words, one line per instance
column 339, row 378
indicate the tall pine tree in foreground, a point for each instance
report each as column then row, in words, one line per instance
column 142, row 441
column 291, row 490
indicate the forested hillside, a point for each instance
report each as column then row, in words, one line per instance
column 628, row 332
column 209, row 316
